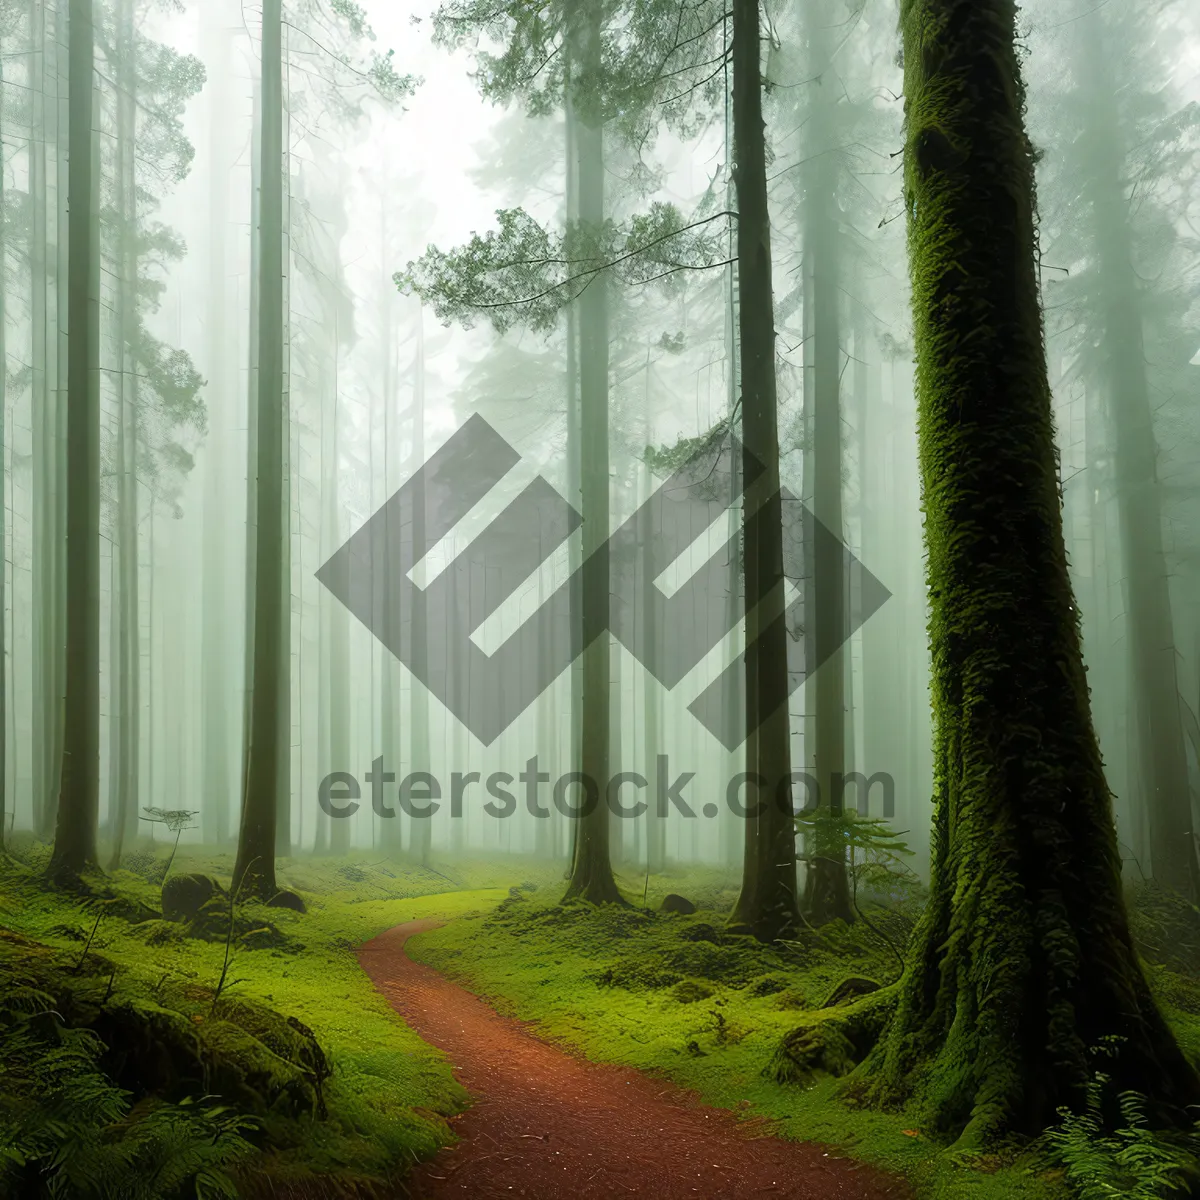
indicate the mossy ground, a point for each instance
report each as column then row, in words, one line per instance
column 674, row 994
column 665, row 993
column 389, row 1093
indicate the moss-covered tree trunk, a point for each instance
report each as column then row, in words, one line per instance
column 79, row 798
column 591, row 876
column 1022, row 961
column 254, row 870
column 766, row 905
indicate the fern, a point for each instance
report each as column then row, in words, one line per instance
column 67, row 1131
column 1133, row 1161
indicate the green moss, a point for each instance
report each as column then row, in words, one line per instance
column 688, row 991
column 146, row 990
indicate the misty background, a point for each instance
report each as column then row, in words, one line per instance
column 375, row 383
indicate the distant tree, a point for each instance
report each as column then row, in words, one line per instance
column 79, row 798
column 598, row 65
column 266, row 792
column 159, row 412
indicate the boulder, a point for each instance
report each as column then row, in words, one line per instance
column 287, row 899
column 183, row 896
column 677, row 904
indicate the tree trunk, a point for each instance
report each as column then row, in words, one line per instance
column 79, row 797
column 826, row 890
column 215, row 684
column 656, row 825
column 421, row 835
column 766, row 905
column 43, row 400
column 339, row 646
column 254, row 870
column 591, row 876
column 127, row 663
column 1022, row 962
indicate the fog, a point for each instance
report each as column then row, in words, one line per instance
column 394, row 144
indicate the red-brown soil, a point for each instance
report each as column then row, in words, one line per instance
column 546, row 1125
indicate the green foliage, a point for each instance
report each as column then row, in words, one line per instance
column 67, row 1131
column 523, row 274
column 1132, row 1160
column 657, row 61
column 666, row 460
column 875, row 854
column 175, row 819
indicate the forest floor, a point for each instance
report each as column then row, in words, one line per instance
column 253, row 1047
column 550, row 1125
column 690, row 1007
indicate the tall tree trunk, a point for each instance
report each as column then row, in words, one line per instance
column 574, row 458
column 1161, row 750
column 79, row 798
column 217, row 695
column 1022, row 962
column 44, row 408
column 826, row 889
column 421, row 835
column 339, row 643
column 591, row 876
column 766, row 905
column 656, row 825
column 254, row 870
column 391, row 739
column 127, row 663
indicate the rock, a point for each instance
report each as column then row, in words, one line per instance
column 183, row 896
column 677, row 904
column 850, row 989
column 701, row 933
column 287, row 899
column 515, row 894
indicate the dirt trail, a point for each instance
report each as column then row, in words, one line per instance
column 547, row 1125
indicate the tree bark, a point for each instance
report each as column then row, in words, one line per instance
column 591, row 876
column 43, row 399
column 254, row 870
column 79, row 797
column 1022, row 962
column 127, row 664
column 766, row 906
column 217, row 695
column 421, row 829
column 826, row 890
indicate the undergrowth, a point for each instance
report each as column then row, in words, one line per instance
column 1133, row 1160
column 124, row 1075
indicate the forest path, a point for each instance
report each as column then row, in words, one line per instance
column 546, row 1125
